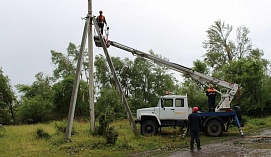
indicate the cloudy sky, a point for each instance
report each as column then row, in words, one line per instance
column 175, row 29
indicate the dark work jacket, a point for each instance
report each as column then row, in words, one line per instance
column 194, row 122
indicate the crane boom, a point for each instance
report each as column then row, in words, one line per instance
column 226, row 98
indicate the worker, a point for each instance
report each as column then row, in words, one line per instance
column 211, row 93
column 194, row 125
column 101, row 21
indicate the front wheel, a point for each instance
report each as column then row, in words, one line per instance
column 214, row 128
column 149, row 127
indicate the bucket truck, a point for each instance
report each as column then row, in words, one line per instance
column 173, row 110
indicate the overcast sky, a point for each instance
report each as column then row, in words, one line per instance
column 175, row 29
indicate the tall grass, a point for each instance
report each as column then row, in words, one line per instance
column 22, row 140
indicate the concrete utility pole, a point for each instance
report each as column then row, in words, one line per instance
column 91, row 79
column 76, row 82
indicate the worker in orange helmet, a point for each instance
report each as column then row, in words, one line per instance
column 101, row 21
column 194, row 125
column 211, row 94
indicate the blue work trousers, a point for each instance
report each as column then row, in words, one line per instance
column 194, row 134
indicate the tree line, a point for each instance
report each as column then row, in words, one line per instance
column 48, row 97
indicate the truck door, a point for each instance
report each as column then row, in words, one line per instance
column 180, row 112
column 167, row 111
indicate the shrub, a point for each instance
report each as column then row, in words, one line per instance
column 125, row 145
column 42, row 134
column 111, row 136
column 60, row 127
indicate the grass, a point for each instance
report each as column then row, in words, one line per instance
column 23, row 140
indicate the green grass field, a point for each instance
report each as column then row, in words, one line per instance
column 23, row 140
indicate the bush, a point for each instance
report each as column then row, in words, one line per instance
column 125, row 145
column 104, row 122
column 104, row 130
column 111, row 136
column 60, row 127
column 34, row 111
column 42, row 134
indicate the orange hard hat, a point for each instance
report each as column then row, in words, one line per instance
column 195, row 109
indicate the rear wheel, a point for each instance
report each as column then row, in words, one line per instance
column 149, row 127
column 214, row 128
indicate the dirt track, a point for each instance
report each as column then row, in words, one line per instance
column 251, row 146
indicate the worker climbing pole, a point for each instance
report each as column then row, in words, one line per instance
column 101, row 21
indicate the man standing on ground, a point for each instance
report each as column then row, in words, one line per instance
column 211, row 93
column 194, row 124
column 101, row 21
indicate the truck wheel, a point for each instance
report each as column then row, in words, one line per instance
column 149, row 127
column 214, row 128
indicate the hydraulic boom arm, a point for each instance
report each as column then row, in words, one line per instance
column 226, row 98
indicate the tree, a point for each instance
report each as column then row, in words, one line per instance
column 238, row 62
column 142, row 81
column 125, row 76
column 102, row 75
column 250, row 73
column 64, row 75
column 66, row 64
column 7, row 99
column 109, row 99
column 36, row 100
column 196, row 95
column 149, row 81
column 195, row 89
column 163, row 79
column 62, row 96
column 243, row 44
column 220, row 49
column 201, row 67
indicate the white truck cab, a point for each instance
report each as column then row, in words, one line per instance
column 171, row 110
column 169, row 107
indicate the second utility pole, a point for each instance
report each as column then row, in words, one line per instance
column 91, row 79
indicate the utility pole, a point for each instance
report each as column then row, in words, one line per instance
column 91, row 79
column 87, row 32
column 76, row 82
